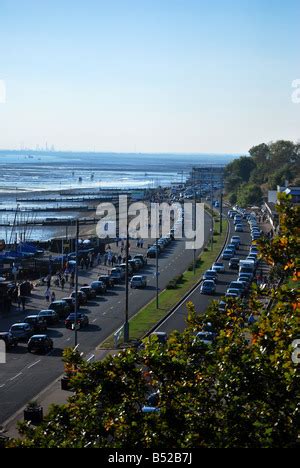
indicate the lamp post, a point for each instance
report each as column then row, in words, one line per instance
column 126, row 323
column 76, row 283
column 157, row 276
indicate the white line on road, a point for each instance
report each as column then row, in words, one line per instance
column 34, row 364
column 16, row 376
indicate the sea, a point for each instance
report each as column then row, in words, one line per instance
column 47, row 174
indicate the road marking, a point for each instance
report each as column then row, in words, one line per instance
column 16, row 376
column 95, row 320
column 3, row 385
column 34, row 364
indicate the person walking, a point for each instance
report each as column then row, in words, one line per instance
column 53, row 297
column 142, row 243
column 47, row 295
column 23, row 302
column 62, row 283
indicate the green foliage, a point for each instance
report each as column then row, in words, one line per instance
column 268, row 166
column 243, row 391
column 248, row 195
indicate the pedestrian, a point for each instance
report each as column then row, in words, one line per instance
column 120, row 259
column 49, row 281
column 99, row 259
column 105, row 259
column 62, row 283
column 87, row 264
column 53, row 297
column 48, row 295
column 142, row 243
column 19, row 302
column 138, row 243
column 82, row 263
column 23, row 302
column 67, row 272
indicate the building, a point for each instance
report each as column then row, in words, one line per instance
column 270, row 204
column 207, row 175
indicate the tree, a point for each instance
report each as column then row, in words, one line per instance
column 248, row 195
column 241, row 168
column 260, row 154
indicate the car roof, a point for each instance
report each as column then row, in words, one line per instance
column 47, row 311
column 38, row 337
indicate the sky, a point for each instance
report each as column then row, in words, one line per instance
column 184, row 76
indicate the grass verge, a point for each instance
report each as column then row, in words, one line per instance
column 149, row 315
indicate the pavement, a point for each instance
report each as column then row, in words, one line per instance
column 25, row 376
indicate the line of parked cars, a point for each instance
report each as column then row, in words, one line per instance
column 32, row 330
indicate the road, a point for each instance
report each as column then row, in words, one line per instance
column 25, row 375
column 177, row 321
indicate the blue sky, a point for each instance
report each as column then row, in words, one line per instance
column 154, row 76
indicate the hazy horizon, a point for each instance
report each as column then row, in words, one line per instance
column 154, row 77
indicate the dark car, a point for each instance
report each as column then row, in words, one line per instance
column 89, row 292
column 153, row 252
column 107, row 280
column 38, row 324
column 71, row 303
column 61, row 308
column 9, row 340
column 208, row 287
column 82, row 321
column 99, row 287
column 51, row 317
column 234, row 264
column 116, row 276
column 40, row 344
column 21, row 332
column 210, row 275
column 82, row 299
column 142, row 258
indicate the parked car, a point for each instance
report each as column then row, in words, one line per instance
column 99, row 287
column 9, row 340
column 89, row 292
column 208, row 287
column 21, row 332
column 107, row 280
column 82, row 299
column 116, row 276
column 234, row 263
column 71, row 303
column 218, row 267
column 82, row 321
column 153, row 252
column 38, row 324
column 40, row 344
column 138, row 282
column 51, row 317
column 61, row 308
column 142, row 258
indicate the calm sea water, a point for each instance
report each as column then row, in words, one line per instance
column 39, row 172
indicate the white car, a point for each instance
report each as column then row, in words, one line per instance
column 138, row 282
column 218, row 267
